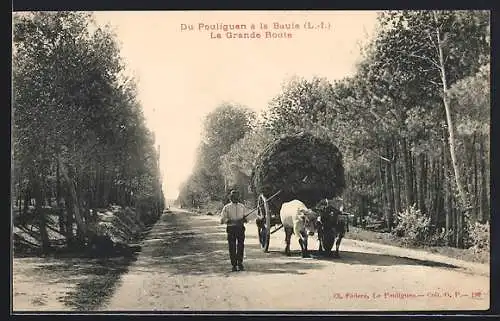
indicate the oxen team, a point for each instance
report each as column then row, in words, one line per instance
column 325, row 220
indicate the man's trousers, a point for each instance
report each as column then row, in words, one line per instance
column 236, row 242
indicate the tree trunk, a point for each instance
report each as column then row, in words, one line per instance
column 397, row 204
column 37, row 188
column 460, row 228
column 475, row 204
column 74, row 200
column 483, row 198
column 451, row 131
column 98, row 194
column 362, row 209
column 414, row 179
column 426, row 179
column 382, row 195
column 69, row 218
column 62, row 223
column 390, row 192
column 19, row 202
column 92, row 186
column 435, row 196
column 487, row 192
column 454, row 222
column 407, row 174
column 27, row 199
column 430, row 186
column 422, row 182
column 106, row 188
column 81, row 193
column 19, row 193
column 447, row 194
column 441, row 202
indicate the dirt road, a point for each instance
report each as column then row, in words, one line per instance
column 184, row 265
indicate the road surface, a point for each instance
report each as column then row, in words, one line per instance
column 184, row 265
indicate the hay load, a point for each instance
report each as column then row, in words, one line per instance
column 283, row 165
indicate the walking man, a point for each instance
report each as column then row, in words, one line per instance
column 233, row 215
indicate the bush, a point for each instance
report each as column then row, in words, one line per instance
column 413, row 226
column 478, row 236
column 439, row 238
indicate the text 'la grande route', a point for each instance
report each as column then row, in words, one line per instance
column 260, row 30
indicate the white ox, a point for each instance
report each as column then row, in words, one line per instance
column 299, row 220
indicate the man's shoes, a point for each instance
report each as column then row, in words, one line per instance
column 234, row 268
column 241, row 268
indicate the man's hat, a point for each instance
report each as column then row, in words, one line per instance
column 234, row 191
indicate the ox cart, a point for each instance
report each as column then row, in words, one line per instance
column 268, row 219
column 300, row 167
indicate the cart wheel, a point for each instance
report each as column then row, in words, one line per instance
column 263, row 223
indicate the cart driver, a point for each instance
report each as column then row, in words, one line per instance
column 233, row 215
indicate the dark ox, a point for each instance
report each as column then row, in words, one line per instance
column 331, row 227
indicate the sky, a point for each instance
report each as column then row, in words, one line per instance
column 185, row 74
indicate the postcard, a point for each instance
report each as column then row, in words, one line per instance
column 251, row 161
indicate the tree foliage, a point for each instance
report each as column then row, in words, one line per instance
column 79, row 135
column 300, row 102
column 412, row 122
column 223, row 127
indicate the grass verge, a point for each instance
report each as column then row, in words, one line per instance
column 469, row 255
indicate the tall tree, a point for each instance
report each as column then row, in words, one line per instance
column 76, row 118
column 222, row 127
column 434, row 49
column 301, row 102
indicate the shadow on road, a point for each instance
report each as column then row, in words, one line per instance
column 95, row 279
column 175, row 248
column 189, row 244
column 350, row 257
